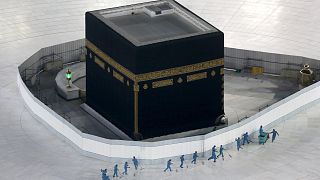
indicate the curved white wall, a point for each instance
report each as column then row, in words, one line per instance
column 168, row 148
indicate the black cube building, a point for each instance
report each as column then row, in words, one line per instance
column 154, row 68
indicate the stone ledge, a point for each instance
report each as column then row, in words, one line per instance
column 78, row 71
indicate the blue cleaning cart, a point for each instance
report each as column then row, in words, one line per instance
column 263, row 137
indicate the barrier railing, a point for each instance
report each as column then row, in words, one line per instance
column 96, row 146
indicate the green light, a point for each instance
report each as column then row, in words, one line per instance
column 68, row 75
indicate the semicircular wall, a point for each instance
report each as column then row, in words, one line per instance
column 99, row 147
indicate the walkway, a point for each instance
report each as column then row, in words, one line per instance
column 29, row 151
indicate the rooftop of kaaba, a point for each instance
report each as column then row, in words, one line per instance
column 154, row 21
column 44, row 136
column 145, row 28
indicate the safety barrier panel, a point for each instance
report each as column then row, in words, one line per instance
column 167, row 148
column 105, row 148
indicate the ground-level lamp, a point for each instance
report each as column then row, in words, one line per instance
column 68, row 77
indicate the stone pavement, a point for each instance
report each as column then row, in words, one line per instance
column 30, row 151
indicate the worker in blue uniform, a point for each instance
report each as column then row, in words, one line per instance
column 261, row 133
column 274, row 134
column 125, row 167
column 246, row 138
column 115, row 171
column 221, row 152
column 169, row 163
column 104, row 174
column 181, row 161
column 213, row 154
column 238, row 141
column 135, row 162
column 194, row 157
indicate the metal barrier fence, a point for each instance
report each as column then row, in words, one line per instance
column 104, row 148
column 234, row 59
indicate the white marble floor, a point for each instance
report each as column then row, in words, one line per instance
column 30, row 151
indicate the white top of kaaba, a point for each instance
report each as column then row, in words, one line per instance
column 156, row 21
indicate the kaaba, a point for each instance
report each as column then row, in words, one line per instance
column 154, row 68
